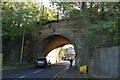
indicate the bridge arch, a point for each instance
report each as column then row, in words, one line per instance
column 67, row 33
column 54, row 41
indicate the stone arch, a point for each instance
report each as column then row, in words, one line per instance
column 54, row 41
column 68, row 30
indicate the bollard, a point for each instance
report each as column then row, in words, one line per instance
column 83, row 69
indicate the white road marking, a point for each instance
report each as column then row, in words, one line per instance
column 33, row 73
column 22, row 76
column 37, row 71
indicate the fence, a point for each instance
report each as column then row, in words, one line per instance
column 105, row 62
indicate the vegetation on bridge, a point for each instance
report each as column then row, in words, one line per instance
column 103, row 20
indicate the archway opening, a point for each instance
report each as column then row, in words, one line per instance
column 58, row 49
column 62, row 54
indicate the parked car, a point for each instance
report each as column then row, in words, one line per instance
column 42, row 62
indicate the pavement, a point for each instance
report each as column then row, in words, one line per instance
column 73, row 72
column 70, row 72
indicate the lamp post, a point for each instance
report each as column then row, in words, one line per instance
column 21, row 54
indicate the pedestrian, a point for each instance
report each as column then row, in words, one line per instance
column 71, row 61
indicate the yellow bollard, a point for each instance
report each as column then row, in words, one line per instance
column 83, row 69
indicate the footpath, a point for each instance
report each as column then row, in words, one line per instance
column 73, row 72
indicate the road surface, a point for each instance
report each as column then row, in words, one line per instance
column 32, row 73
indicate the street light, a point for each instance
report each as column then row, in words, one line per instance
column 21, row 54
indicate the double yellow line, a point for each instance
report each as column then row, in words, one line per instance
column 58, row 75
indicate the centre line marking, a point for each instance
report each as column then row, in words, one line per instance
column 22, row 76
column 37, row 71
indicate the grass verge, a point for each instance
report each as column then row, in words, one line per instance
column 7, row 67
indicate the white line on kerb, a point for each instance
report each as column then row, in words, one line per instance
column 22, row 76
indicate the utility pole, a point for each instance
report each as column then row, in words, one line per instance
column 21, row 54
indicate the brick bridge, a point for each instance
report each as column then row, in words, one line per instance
column 58, row 34
column 101, row 62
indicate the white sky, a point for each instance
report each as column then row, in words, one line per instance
column 61, row 0
column 45, row 2
column 68, row 45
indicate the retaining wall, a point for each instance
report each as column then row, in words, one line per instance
column 105, row 62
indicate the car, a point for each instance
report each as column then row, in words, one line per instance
column 42, row 62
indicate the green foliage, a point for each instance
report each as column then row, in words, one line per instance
column 64, row 8
column 102, row 35
column 15, row 18
column 103, row 21
column 20, row 16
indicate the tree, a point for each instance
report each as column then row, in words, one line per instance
column 102, row 18
column 21, row 19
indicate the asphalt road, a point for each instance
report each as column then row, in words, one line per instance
column 32, row 73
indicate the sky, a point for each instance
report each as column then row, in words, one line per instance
column 45, row 2
column 61, row 0
column 68, row 45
